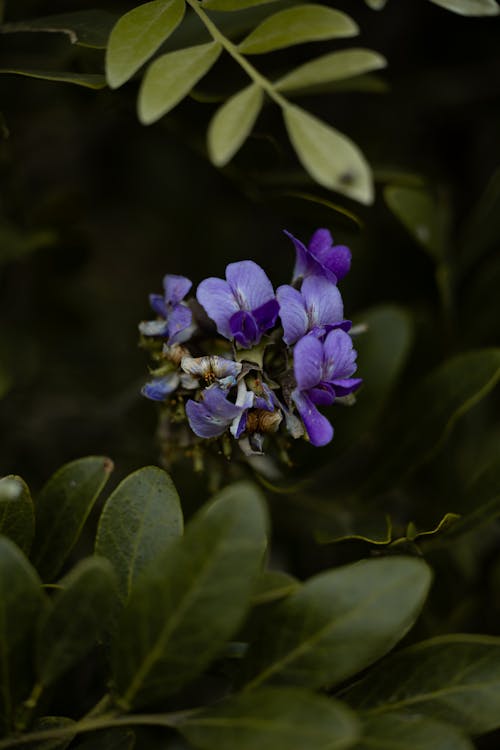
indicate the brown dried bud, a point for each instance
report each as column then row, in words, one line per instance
column 175, row 353
column 260, row 420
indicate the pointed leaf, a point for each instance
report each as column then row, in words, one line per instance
column 273, row 719
column 62, row 508
column 184, row 607
column 87, row 28
column 233, row 4
column 454, row 678
column 171, row 77
column 305, row 23
column 232, row 124
column 332, row 67
column 470, row 7
column 338, row 623
column 21, row 601
column 330, row 157
column 139, row 518
column 409, row 732
column 79, row 615
column 137, row 35
column 17, row 514
column 419, row 212
column 87, row 80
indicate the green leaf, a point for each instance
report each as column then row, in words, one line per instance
column 87, row 80
column 62, row 509
column 233, row 4
column 273, row 719
column 482, row 228
column 481, row 501
column 171, row 77
column 113, row 739
column 376, row 4
column 470, row 7
column 338, row 623
column 187, row 604
column 419, row 212
column 334, row 66
column 139, row 519
column 46, row 723
column 330, row 157
column 87, row 28
column 409, row 732
column 454, row 678
column 137, row 35
column 305, row 23
column 273, row 585
column 17, row 514
column 79, row 615
column 232, row 124
column 21, row 601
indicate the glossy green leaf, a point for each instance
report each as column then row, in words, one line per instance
column 273, row 585
column 304, row 23
column 137, row 35
column 171, row 77
column 62, row 508
column 87, row 80
column 410, row 732
column 448, row 393
column 330, row 157
column 232, row 124
column 233, row 4
column 139, row 519
column 332, row 67
column 78, row 616
column 338, row 623
column 273, row 719
column 112, row 739
column 184, row 607
column 87, row 28
column 419, row 212
column 21, row 601
column 454, row 678
column 470, row 7
column 17, row 514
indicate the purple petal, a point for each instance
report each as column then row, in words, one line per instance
column 244, row 329
column 176, row 288
column 308, row 362
column 158, row 305
column 322, row 395
column 345, row 386
column 179, row 319
column 265, row 315
column 323, row 301
column 154, row 328
column 318, row 428
column 340, row 356
column 320, row 242
column 220, row 304
column 159, row 388
column 303, row 260
column 250, row 284
column 335, row 258
column 292, row 313
column 210, row 417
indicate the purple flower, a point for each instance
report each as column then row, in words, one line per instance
column 159, row 388
column 317, row 307
column 211, row 416
column 322, row 372
column 321, row 257
column 244, row 306
column 177, row 317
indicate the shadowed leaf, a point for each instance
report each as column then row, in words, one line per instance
column 87, row 28
column 408, row 732
column 87, row 80
column 17, row 514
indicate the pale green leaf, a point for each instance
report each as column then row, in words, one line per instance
column 233, row 4
column 78, row 616
column 470, row 7
column 305, row 23
column 410, row 732
column 139, row 519
column 232, row 124
column 330, row 157
column 376, row 4
column 420, row 213
column 137, row 35
column 273, row 719
column 87, row 80
column 334, row 66
column 87, row 28
column 17, row 513
column 190, row 601
column 171, row 77
column 21, row 601
column 338, row 623
column 454, row 678
column 62, row 508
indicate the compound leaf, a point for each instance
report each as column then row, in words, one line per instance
column 232, row 124
column 334, row 66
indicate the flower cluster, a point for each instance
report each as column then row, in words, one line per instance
column 272, row 359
